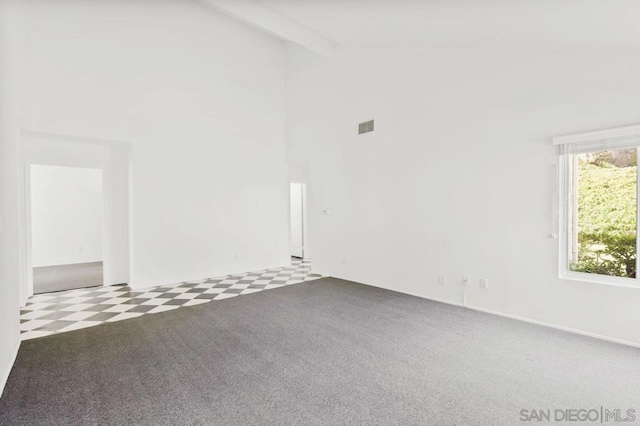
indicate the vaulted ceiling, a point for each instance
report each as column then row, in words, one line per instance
column 417, row 22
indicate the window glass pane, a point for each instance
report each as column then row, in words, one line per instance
column 603, row 224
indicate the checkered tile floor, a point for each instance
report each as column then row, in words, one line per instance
column 53, row 313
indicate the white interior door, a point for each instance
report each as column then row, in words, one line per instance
column 297, row 222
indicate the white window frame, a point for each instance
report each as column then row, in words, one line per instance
column 596, row 139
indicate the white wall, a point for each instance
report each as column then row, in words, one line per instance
column 10, row 70
column 457, row 177
column 66, row 215
column 200, row 97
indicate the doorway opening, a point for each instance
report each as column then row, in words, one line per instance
column 67, row 205
column 298, row 231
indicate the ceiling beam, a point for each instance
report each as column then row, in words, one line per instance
column 274, row 23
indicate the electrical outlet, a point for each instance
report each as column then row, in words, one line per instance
column 466, row 280
column 484, row 283
column 442, row 280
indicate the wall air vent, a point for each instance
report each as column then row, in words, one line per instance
column 365, row 127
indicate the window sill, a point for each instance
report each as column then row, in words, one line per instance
column 601, row 279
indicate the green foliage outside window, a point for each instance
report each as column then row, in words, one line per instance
column 607, row 215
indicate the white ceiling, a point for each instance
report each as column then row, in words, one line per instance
column 417, row 22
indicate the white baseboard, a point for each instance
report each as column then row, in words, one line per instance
column 510, row 316
column 557, row 327
column 5, row 375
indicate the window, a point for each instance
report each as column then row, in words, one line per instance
column 604, row 212
column 599, row 205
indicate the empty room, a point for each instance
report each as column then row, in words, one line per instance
column 312, row 212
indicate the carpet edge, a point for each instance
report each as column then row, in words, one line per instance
column 5, row 377
column 585, row 333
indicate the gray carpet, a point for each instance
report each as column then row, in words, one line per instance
column 47, row 279
column 325, row 352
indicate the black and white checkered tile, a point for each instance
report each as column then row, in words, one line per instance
column 52, row 313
